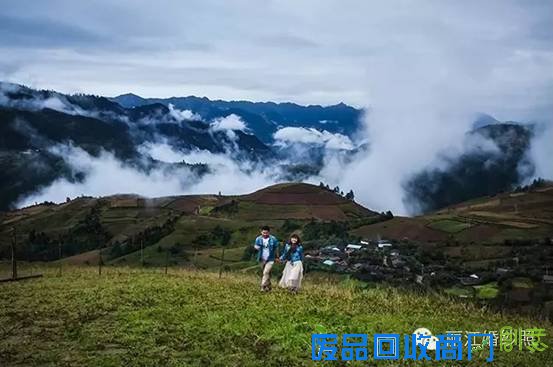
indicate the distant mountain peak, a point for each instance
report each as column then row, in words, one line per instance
column 129, row 100
column 129, row 95
column 483, row 119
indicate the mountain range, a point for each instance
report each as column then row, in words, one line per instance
column 40, row 128
column 264, row 118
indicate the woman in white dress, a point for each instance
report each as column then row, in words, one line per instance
column 293, row 270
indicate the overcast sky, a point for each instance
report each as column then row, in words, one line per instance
column 489, row 56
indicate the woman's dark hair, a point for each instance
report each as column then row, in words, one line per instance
column 290, row 242
column 296, row 237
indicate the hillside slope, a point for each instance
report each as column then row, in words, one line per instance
column 479, row 171
column 190, row 318
column 527, row 214
column 124, row 223
column 510, row 232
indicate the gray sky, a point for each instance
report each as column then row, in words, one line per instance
column 489, row 56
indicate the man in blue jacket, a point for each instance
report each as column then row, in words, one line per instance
column 267, row 253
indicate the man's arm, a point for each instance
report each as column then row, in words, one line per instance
column 256, row 244
column 277, row 250
column 284, row 253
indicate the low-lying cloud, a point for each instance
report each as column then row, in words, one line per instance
column 182, row 115
column 228, row 124
column 288, row 135
column 106, row 175
column 52, row 101
column 541, row 151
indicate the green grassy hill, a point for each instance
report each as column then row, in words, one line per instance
column 185, row 230
column 129, row 317
column 182, row 225
column 509, row 216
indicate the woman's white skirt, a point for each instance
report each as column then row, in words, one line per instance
column 292, row 275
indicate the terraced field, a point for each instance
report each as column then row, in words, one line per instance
column 189, row 221
column 509, row 216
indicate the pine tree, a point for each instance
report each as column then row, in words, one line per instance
column 350, row 195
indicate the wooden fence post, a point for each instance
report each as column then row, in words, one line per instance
column 222, row 261
column 166, row 260
column 59, row 255
column 100, row 261
column 142, row 252
column 13, row 248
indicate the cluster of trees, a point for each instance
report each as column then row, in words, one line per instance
column 227, row 208
column 290, row 226
column 88, row 234
column 384, row 216
column 218, row 235
column 536, row 184
column 149, row 236
column 39, row 246
column 349, row 195
column 199, row 169
column 521, row 242
column 320, row 230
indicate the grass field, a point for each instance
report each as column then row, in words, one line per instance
column 449, row 226
column 191, row 318
column 487, row 291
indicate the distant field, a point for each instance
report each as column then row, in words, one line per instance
column 450, row 226
column 398, row 228
column 482, row 221
column 127, row 218
column 487, row 220
column 192, row 318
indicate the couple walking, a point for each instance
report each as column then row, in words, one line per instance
column 268, row 252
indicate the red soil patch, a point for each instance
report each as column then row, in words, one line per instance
column 401, row 227
column 289, row 198
column 327, row 213
column 295, row 194
column 185, row 204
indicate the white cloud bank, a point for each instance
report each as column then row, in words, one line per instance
column 541, row 151
column 181, row 115
column 54, row 102
column 106, row 175
column 229, row 124
column 313, row 136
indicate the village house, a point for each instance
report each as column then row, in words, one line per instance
column 384, row 244
column 350, row 248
